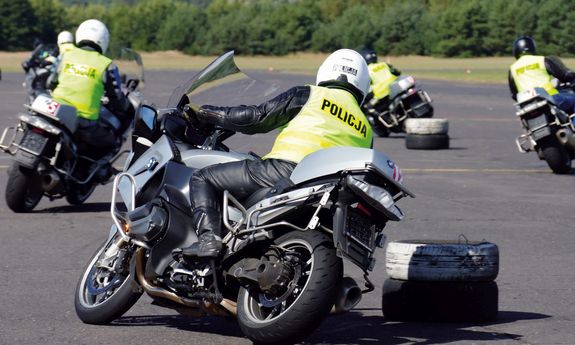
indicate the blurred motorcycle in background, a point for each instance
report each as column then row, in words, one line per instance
column 406, row 100
column 549, row 131
column 50, row 161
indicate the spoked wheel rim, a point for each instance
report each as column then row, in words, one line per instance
column 100, row 282
column 262, row 309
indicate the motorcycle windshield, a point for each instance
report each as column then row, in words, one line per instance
column 130, row 64
column 222, row 83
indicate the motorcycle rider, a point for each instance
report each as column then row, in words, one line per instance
column 84, row 76
column 532, row 70
column 382, row 75
column 65, row 41
column 313, row 118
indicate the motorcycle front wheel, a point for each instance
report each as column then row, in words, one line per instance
column 24, row 189
column 105, row 292
column 291, row 318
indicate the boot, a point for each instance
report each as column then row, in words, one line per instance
column 208, row 246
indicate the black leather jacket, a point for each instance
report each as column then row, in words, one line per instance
column 251, row 119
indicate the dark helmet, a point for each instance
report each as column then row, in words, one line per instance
column 523, row 45
column 369, row 55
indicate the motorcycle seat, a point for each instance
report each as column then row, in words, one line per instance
column 282, row 186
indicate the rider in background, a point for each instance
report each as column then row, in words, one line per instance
column 382, row 75
column 532, row 70
column 311, row 117
column 84, row 76
column 65, row 41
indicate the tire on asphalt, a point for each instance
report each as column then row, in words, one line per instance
column 437, row 260
column 427, row 141
column 426, row 126
column 440, row 301
column 23, row 189
column 310, row 307
column 556, row 156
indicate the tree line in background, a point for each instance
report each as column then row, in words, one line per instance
column 450, row 28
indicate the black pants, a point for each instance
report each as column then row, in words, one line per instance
column 241, row 179
column 96, row 133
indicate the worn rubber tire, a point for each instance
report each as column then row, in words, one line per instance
column 556, row 156
column 426, row 126
column 310, row 307
column 427, row 141
column 122, row 299
column 439, row 301
column 23, row 189
column 79, row 194
column 436, row 260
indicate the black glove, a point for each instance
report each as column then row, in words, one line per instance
column 195, row 123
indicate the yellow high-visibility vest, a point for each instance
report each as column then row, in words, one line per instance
column 330, row 117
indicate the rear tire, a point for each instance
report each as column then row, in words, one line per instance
column 440, row 301
column 24, row 189
column 78, row 194
column 427, row 141
column 300, row 313
column 114, row 295
column 556, row 156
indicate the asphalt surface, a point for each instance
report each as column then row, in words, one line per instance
column 482, row 187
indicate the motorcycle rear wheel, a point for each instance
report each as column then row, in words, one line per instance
column 556, row 156
column 78, row 194
column 23, row 190
column 101, row 297
column 300, row 313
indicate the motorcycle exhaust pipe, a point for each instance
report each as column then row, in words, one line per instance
column 50, row 180
column 203, row 308
column 566, row 137
column 348, row 296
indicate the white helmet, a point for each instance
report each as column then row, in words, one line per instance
column 93, row 31
column 65, row 37
column 345, row 65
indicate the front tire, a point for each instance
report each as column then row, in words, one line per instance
column 23, row 190
column 103, row 295
column 300, row 313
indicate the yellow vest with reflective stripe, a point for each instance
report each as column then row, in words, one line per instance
column 330, row 117
column 381, row 79
column 529, row 71
column 80, row 81
column 65, row 47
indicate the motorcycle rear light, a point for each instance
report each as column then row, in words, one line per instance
column 38, row 130
column 363, row 209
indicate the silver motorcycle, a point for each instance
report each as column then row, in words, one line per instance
column 549, row 131
column 281, row 271
column 50, row 161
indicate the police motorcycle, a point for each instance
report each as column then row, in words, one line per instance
column 48, row 159
column 406, row 100
column 548, row 130
column 281, row 271
column 38, row 69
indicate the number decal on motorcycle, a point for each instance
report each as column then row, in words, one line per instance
column 52, row 107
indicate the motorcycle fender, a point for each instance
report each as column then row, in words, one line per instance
column 38, row 122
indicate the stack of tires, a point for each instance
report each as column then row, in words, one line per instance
column 426, row 134
column 441, row 281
